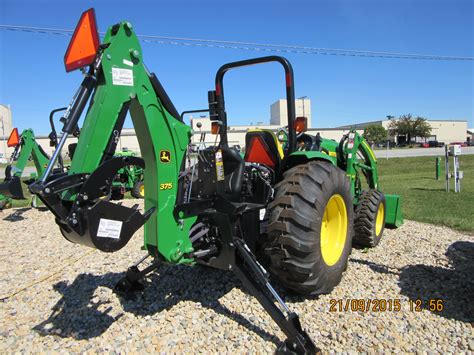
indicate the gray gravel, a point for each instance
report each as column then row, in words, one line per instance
column 73, row 308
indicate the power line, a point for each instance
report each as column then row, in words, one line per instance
column 251, row 46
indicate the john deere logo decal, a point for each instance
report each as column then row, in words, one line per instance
column 165, row 156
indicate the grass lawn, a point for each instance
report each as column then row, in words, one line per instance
column 423, row 197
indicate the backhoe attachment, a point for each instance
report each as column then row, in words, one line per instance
column 26, row 148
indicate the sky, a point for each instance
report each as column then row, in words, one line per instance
column 343, row 90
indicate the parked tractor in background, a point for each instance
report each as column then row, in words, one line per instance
column 290, row 208
column 128, row 178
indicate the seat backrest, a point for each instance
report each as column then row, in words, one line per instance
column 263, row 147
column 233, row 173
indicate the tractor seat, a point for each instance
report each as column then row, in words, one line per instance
column 234, row 167
column 262, row 146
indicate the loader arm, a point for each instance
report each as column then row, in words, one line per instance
column 120, row 83
column 356, row 157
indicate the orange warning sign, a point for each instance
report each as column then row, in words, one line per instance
column 14, row 138
column 84, row 43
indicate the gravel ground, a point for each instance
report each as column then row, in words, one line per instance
column 73, row 307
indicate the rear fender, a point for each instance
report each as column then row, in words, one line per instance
column 297, row 158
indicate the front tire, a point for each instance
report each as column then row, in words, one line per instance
column 309, row 235
column 370, row 219
column 138, row 190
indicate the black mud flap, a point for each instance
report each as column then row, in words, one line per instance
column 106, row 226
column 12, row 188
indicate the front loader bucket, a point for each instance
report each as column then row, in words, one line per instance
column 393, row 215
column 12, row 188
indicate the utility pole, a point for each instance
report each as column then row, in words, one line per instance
column 4, row 141
column 388, row 140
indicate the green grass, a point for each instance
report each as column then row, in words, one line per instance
column 423, row 197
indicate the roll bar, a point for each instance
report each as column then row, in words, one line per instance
column 219, row 102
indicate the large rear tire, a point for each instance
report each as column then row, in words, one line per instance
column 309, row 234
column 369, row 221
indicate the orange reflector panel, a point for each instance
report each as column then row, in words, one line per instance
column 215, row 127
column 14, row 138
column 301, row 124
column 84, row 43
column 258, row 153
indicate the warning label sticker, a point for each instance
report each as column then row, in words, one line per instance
column 108, row 228
column 219, row 166
column 123, row 77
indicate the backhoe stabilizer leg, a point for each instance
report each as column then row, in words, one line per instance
column 255, row 278
column 131, row 281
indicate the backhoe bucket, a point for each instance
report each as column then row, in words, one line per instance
column 12, row 188
column 88, row 218
column 394, row 216
column 105, row 226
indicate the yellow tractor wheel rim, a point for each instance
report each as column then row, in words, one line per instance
column 333, row 230
column 142, row 190
column 379, row 220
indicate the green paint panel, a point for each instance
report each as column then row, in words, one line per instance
column 302, row 157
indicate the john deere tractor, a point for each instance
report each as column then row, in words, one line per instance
column 128, row 178
column 293, row 210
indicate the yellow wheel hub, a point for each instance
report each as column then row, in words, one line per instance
column 334, row 230
column 142, row 190
column 379, row 220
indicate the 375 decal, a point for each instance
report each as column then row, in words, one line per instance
column 166, row 186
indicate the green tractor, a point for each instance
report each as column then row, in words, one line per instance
column 128, row 178
column 295, row 211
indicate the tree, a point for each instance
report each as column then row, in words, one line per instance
column 411, row 127
column 421, row 128
column 375, row 133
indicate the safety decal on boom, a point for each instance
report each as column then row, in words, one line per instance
column 122, row 77
column 108, row 228
column 165, row 156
